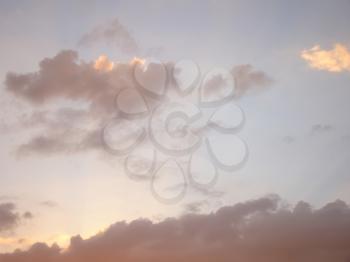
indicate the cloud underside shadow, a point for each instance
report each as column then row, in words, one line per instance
column 257, row 230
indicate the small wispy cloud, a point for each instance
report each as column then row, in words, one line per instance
column 321, row 128
column 195, row 207
column 249, row 79
column 112, row 33
column 49, row 203
column 333, row 60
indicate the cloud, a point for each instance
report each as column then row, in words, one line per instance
column 247, row 79
column 213, row 193
column 63, row 77
column 195, row 207
column 334, row 60
column 70, row 100
column 214, row 84
column 288, row 139
column 49, row 203
column 103, row 63
column 321, row 128
column 27, row 215
column 256, row 230
column 111, row 33
column 9, row 217
column 60, row 81
column 61, row 143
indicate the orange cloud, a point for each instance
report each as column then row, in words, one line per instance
column 137, row 60
column 102, row 63
column 334, row 60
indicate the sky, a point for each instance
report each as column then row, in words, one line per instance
column 92, row 153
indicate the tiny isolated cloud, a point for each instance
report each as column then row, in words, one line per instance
column 49, row 203
column 334, row 60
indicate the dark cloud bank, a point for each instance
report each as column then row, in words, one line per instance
column 257, row 230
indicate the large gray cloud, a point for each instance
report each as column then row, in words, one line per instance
column 65, row 79
column 257, row 230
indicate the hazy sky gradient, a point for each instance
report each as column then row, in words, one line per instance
column 297, row 129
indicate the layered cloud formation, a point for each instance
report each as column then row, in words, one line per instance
column 334, row 60
column 257, row 230
column 72, row 98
